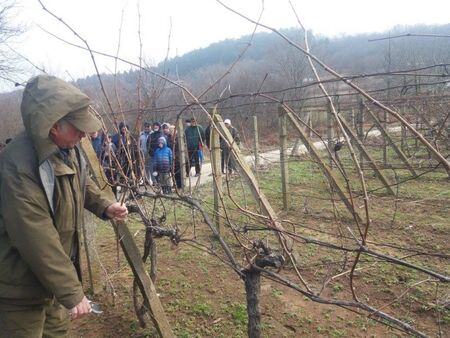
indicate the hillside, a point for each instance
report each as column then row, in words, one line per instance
column 269, row 64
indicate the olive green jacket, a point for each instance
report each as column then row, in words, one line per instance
column 41, row 202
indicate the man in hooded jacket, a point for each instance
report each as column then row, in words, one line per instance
column 44, row 187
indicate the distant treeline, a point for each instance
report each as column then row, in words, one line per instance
column 269, row 65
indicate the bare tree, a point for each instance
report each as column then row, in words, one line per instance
column 8, row 32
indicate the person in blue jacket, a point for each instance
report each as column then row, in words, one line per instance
column 162, row 165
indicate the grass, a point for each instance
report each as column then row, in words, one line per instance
column 204, row 298
column 239, row 313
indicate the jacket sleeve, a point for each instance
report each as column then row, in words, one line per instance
column 32, row 233
column 96, row 201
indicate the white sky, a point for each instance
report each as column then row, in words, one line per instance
column 192, row 24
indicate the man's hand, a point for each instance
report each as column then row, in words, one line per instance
column 116, row 211
column 80, row 309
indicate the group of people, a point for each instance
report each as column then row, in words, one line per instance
column 159, row 149
column 157, row 146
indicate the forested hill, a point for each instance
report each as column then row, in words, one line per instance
column 352, row 53
column 270, row 60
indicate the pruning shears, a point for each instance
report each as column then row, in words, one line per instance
column 95, row 308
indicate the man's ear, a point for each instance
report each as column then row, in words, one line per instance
column 54, row 129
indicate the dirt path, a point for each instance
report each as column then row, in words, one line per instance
column 268, row 157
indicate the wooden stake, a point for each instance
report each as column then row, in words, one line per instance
column 284, row 158
column 330, row 134
column 217, row 173
column 182, row 146
column 256, row 142
column 131, row 251
column 360, row 129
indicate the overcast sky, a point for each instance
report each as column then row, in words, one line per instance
column 192, row 24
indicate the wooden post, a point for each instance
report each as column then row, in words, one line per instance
column 330, row 133
column 217, row 173
column 256, row 142
column 448, row 137
column 310, row 124
column 360, row 130
column 284, row 158
column 353, row 119
column 403, row 138
column 418, row 127
column 131, row 251
column 182, row 145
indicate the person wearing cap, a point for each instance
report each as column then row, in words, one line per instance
column 44, row 187
column 226, row 157
column 195, row 136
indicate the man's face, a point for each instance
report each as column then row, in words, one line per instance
column 194, row 123
column 166, row 131
column 155, row 127
column 147, row 129
column 65, row 135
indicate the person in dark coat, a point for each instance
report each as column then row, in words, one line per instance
column 97, row 143
column 195, row 136
column 127, row 152
column 121, row 135
column 167, row 134
column 152, row 142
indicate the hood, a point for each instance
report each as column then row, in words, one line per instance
column 46, row 99
column 163, row 141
